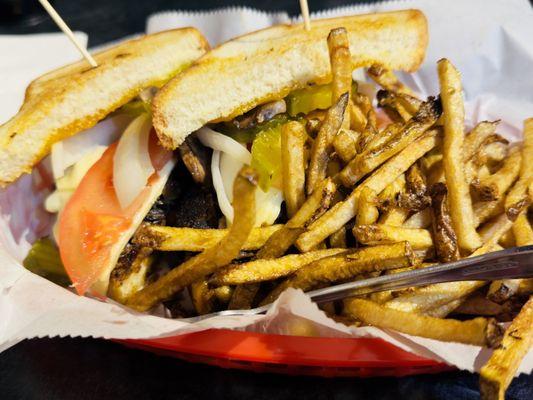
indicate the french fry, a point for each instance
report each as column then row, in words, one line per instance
column 372, row 158
column 477, row 136
column 493, row 230
column 519, row 192
column 444, row 237
column 502, row 290
column 367, row 212
column 357, row 118
column 394, row 216
column 293, row 138
column 223, row 293
column 345, row 144
column 399, row 107
column 419, row 239
column 499, row 371
column 477, row 331
column 243, row 296
column 166, row 238
column 525, row 288
column 338, row 239
column 313, row 208
column 507, row 239
column 494, row 186
column 387, row 80
column 458, row 192
column 322, row 143
column 419, row 220
column 341, row 68
column 202, row 297
column 261, row 270
column 522, row 230
column 415, row 197
column 478, row 304
column 342, row 267
column 345, row 210
column 214, row 257
column 485, row 210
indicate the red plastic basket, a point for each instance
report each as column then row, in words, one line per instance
column 296, row 355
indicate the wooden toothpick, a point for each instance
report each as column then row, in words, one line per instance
column 66, row 30
column 305, row 14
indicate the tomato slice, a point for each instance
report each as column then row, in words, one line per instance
column 93, row 221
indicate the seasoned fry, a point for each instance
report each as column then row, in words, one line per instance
column 322, row 143
column 444, row 236
column 341, row 68
column 345, row 144
column 517, row 195
column 344, row 211
column 314, row 207
column 420, row 220
column 338, row 239
column 243, row 296
column 293, row 138
column 419, row 239
column 202, row 297
column 342, row 267
column 478, row 331
column 498, row 372
column 367, row 212
column 477, row 136
column 166, row 238
column 494, row 186
column 460, row 202
column 485, row 210
column 372, row 158
column 261, row 270
column 387, row 80
column 214, row 257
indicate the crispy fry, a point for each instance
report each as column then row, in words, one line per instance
column 478, row 331
column 507, row 239
column 399, row 107
column 499, row 371
column 214, row 257
column 460, row 202
column 387, row 80
column 344, row 211
column 394, row 216
column 202, row 297
column 338, row 239
column 223, row 293
column 342, row 267
column 357, row 118
column 493, row 230
column 478, row 304
column 345, row 144
column 341, row 67
column 502, row 290
column 261, row 270
column 168, row 238
column 494, row 186
column 243, row 296
column 293, row 138
column 415, row 198
column 372, row 158
column 444, row 236
column 420, row 220
column 314, row 207
column 367, row 212
column 485, row 210
column 518, row 192
column 477, row 136
column 522, row 230
column 192, row 162
column 419, row 239
column 322, row 143
column 525, row 288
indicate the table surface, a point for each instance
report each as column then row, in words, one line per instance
column 95, row 369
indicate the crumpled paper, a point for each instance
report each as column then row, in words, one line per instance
column 487, row 40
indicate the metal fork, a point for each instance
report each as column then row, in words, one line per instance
column 513, row 263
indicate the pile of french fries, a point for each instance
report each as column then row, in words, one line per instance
column 373, row 191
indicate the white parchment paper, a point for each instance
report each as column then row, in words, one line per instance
column 489, row 41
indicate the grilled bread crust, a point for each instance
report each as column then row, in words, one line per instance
column 75, row 97
column 267, row 64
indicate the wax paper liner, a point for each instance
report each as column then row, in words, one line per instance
column 487, row 40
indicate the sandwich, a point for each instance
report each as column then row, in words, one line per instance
column 223, row 112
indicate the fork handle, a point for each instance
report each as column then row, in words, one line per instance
column 513, row 263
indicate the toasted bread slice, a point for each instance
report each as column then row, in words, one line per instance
column 265, row 65
column 75, row 97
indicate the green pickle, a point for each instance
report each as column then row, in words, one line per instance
column 43, row 259
column 303, row 101
column 266, row 156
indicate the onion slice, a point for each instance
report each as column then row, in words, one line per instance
column 225, row 144
column 218, row 184
column 69, row 151
column 132, row 165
